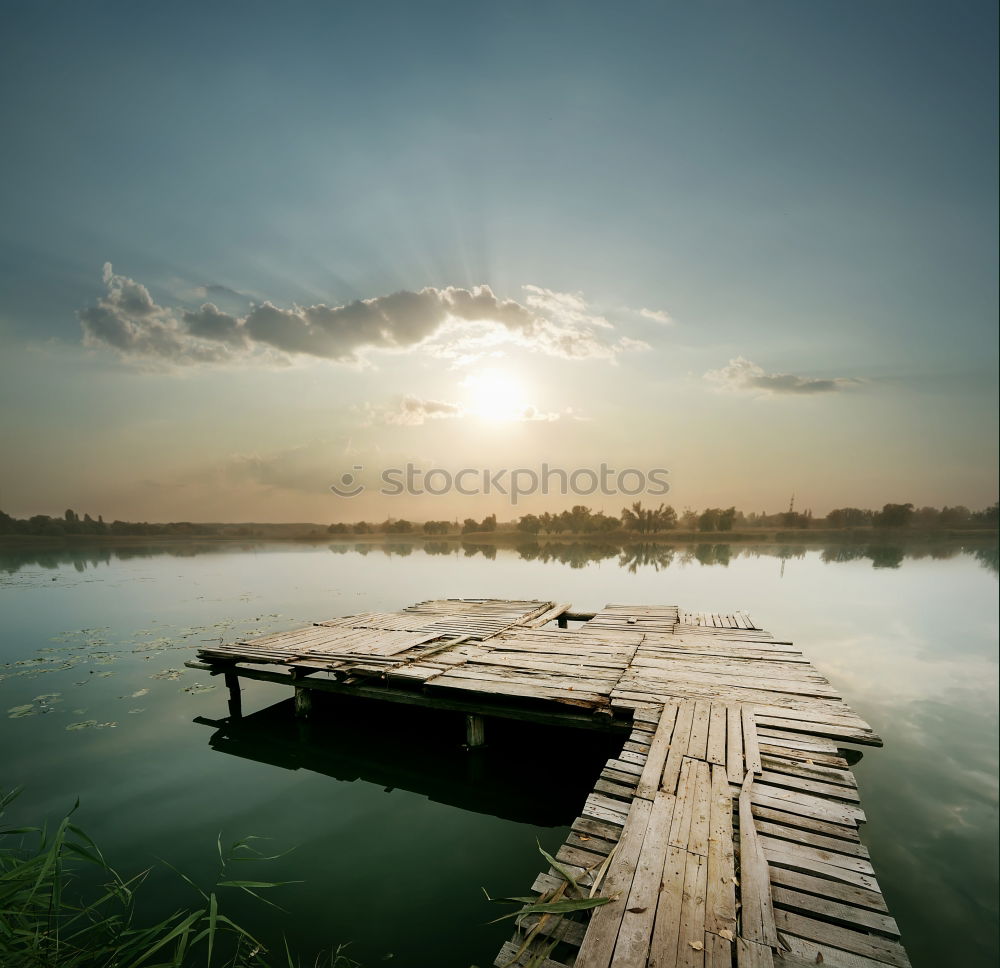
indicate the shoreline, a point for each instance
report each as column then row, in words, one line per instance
column 511, row 538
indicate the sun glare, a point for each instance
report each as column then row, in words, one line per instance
column 495, row 395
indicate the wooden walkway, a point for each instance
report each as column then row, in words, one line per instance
column 725, row 831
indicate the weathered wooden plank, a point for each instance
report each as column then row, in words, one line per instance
column 691, row 937
column 834, row 936
column 597, row 828
column 619, row 776
column 718, row 951
column 636, row 928
column 554, row 926
column 751, row 752
column 720, row 901
column 716, row 751
column 734, row 744
column 602, row 932
column 597, row 845
column 824, row 728
column 522, row 688
column 800, row 836
column 812, row 771
column 795, row 802
column 701, row 809
column 782, row 813
column 624, row 766
column 678, row 747
column 649, row 782
column 586, row 859
column 601, row 807
column 698, row 741
column 834, row 910
column 793, row 740
column 755, row 884
column 750, row 954
column 796, row 860
column 835, row 890
column 670, row 672
column 852, row 863
column 508, row 958
column 804, row 756
column 680, row 826
column 666, row 925
column 793, row 782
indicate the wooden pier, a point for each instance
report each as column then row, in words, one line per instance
column 724, row 831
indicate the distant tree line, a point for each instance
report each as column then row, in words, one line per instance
column 402, row 526
column 72, row 523
column 580, row 519
column 906, row 515
column 653, row 520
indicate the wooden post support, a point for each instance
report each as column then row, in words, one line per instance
column 235, row 695
column 475, row 731
column 303, row 702
column 562, row 621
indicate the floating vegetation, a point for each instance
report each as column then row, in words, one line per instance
column 40, row 705
column 104, row 647
column 48, row 698
column 199, row 687
column 154, row 644
column 167, row 674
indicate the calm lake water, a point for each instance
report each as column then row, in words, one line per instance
column 392, row 829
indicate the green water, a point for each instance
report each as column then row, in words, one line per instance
column 394, row 828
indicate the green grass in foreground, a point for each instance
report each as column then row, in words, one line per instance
column 53, row 917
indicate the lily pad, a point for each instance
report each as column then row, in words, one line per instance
column 199, row 687
column 167, row 674
column 18, row 712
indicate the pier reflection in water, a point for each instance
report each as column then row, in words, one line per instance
column 525, row 773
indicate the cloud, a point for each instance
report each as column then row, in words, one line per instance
column 452, row 323
column 127, row 319
column 412, row 411
column 657, row 315
column 741, row 375
column 218, row 290
column 533, row 413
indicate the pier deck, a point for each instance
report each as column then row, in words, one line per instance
column 725, row 831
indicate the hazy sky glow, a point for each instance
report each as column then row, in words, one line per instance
column 246, row 247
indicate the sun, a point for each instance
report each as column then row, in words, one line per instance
column 495, row 395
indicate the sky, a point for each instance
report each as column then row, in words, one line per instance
column 247, row 248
